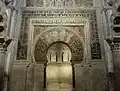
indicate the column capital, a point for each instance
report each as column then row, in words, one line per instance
column 2, row 48
column 4, row 44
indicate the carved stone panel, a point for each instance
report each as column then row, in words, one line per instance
column 77, row 48
column 95, row 45
column 39, row 78
column 90, row 77
column 23, row 39
column 77, row 13
column 40, row 51
column 30, row 78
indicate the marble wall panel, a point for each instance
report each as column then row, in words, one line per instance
column 18, row 78
column 30, row 78
column 90, row 77
column 39, row 78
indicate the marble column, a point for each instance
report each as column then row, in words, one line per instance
column 110, row 66
column 110, row 62
column 2, row 64
column 3, row 74
column 13, row 24
column 9, row 15
column 14, row 2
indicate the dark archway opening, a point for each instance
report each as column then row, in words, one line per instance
column 59, row 71
column 117, row 20
column 118, row 9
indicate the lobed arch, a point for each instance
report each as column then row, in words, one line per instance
column 60, row 51
column 58, row 42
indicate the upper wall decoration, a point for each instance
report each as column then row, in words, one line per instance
column 59, row 3
column 62, row 14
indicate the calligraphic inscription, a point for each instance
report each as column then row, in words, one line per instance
column 58, row 21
